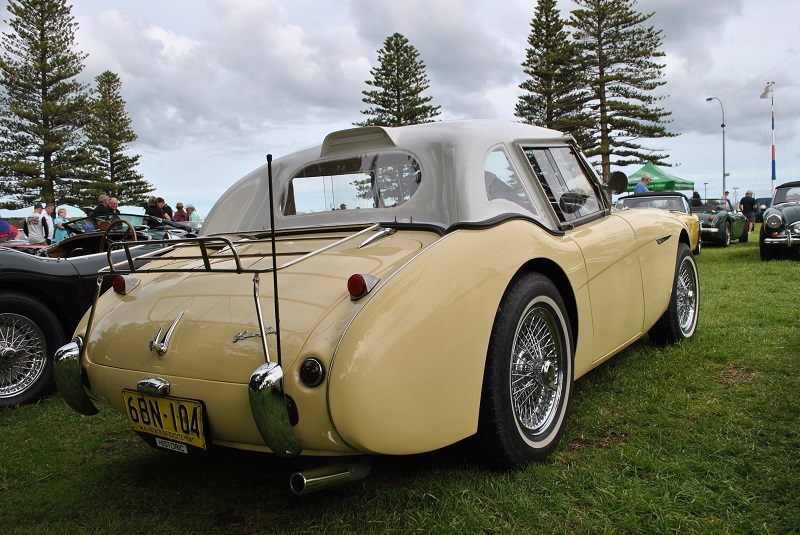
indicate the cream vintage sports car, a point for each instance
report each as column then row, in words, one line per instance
column 423, row 284
column 667, row 200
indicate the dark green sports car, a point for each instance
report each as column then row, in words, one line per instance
column 780, row 233
column 719, row 222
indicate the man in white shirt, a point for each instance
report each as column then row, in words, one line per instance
column 35, row 226
column 50, row 214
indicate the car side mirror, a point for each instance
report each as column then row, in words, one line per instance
column 617, row 182
column 571, row 201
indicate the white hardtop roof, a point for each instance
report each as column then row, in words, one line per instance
column 451, row 155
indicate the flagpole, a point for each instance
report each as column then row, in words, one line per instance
column 769, row 92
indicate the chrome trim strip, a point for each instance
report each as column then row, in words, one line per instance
column 383, row 233
column 163, row 347
column 268, row 404
column 68, row 374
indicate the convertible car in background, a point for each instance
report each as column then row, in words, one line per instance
column 422, row 285
column 720, row 223
column 673, row 201
column 44, row 295
column 780, row 233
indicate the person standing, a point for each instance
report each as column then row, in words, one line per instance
column 102, row 206
column 193, row 215
column 153, row 210
column 35, row 226
column 642, row 186
column 747, row 205
column 113, row 205
column 50, row 214
column 165, row 208
column 60, row 232
column 180, row 213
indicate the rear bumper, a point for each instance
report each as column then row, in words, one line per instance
column 264, row 392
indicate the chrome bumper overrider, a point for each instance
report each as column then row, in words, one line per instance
column 68, row 373
column 269, row 410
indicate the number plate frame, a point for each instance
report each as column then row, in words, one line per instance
column 179, row 419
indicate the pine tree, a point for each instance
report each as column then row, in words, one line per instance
column 42, row 104
column 108, row 132
column 399, row 81
column 620, row 55
column 555, row 88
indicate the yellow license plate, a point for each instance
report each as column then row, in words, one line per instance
column 174, row 419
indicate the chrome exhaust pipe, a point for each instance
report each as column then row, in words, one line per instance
column 326, row 477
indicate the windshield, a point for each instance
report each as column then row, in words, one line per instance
column 787, row 195
column 368, row 181
column 676, row 204
column 91, row 224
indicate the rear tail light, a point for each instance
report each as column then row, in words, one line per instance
column 312, row 372
column 123, row 284
column 359, row 285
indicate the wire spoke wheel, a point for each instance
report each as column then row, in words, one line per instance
column 687, row 296
column 528, row 378
column 23, row 354
column 536, row 370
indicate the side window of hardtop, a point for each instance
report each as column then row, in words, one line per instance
column 503, row 182
column 570, row 191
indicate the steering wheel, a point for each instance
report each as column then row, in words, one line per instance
column 110, row 227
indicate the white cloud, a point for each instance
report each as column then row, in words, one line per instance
column 213, row 85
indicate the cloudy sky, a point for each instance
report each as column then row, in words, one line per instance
column 212, row 86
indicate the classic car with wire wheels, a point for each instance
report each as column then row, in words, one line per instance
column 780, row 232
column 390, row 291
column 720, row 223
column 672, row 201
column 44, row 295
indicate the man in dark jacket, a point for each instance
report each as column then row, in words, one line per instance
column 747, row 205
column 102, row 206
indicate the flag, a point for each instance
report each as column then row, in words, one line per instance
column 765, row 94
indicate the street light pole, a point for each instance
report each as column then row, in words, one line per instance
column 705, row 190
column 722, row 108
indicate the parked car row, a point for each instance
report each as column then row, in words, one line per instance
column 43, row 295
column 458, row 285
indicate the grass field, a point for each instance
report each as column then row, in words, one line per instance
column 702, row 437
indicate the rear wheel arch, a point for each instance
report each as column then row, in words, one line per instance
column 553, row 271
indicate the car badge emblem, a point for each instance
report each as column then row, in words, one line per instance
column 161, row 347
column 247, row 334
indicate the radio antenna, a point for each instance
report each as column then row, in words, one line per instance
column 274, row 259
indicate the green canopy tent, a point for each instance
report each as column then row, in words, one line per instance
column 660, row 180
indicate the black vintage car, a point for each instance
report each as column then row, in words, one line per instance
column 44, row 295
column 780, row 232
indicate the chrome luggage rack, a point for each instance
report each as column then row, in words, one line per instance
column 214, row 250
